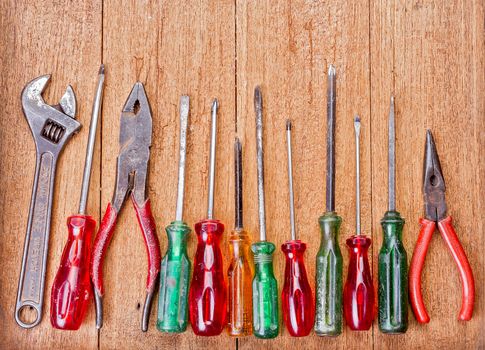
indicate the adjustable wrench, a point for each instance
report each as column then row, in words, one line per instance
column 51, row 127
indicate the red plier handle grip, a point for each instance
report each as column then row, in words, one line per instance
column 103, row 238
column 417, row 262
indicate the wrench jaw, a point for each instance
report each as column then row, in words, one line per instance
column 68, row 102
column 51, row 126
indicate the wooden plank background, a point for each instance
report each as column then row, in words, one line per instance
column 429, row 54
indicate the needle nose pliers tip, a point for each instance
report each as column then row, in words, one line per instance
column 436, row 215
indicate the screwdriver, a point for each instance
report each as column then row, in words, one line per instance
column 328, row 314
column 175, row 266
column 71, row 289
column 240, row 270
column 265, row 287
column 296, row 297
column 359, row 294
column 393, row 277
column 207, row 295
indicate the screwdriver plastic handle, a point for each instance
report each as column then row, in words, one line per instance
column 71, row 289
column 240, row 275
column 296, row 297
column 393, row 276
column 207, row 295
column 417, row 262
column 328, row 314
column 174, row 280
column 265, row 292
column 359, row 296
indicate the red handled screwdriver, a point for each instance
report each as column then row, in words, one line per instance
column 71, row 289
column 296, row 297
column 358, row 298
column 207, row 295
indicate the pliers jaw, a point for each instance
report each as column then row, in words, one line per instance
column 436, row 217
column 135, row 141
column 433, row 183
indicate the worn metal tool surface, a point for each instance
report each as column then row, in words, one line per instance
column 265, row 286
column 71, row 289
column 51, row 127
column 131, row 180
column 175, row 268
column 328, row 278
column 393, row 263
column 435, row 215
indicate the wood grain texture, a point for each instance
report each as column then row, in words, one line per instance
column 428, row 53
column 38, row 39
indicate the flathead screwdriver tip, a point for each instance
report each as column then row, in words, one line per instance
column 101, row 69
column 288, row 124
column 331, row 70
column 258, row 98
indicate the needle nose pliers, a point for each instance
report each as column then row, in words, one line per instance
column 435, row 215
column 131, row 176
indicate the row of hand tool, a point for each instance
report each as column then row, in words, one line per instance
column 249, row 303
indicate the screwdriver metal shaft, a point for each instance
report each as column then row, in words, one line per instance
column 328, row 296
column 296, row 296
column 208, row 314
column 88, row 162
column 357, row 174
column 393, row 277
column 212, row 161
column 290, row 180
column 258, row 107
column 175, row 266
column 265, row 287
column 391, row 159
column 358, row 297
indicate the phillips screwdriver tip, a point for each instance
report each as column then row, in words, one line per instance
column 331, row 70
column 101, row 69
column 288, row 124
column 215, row 104
column 357, row 125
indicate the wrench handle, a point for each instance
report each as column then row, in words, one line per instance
column 32, row 275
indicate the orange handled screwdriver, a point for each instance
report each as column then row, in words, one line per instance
column 240, row 272
column 71, row 289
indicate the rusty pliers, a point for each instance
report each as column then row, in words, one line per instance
column 435, row 215
column 131, row 178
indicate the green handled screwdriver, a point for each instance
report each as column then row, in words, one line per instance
column 393, row 278
column 265, row 287
column 175, row 267
column 328, row 313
